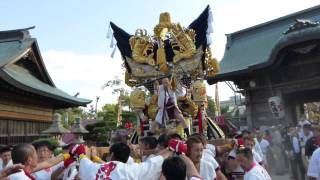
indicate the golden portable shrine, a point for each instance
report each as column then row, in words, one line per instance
column 167, row 71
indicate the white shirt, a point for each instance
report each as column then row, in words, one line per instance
column 150, row 169
column 8, row 164
column 264, row 144
column 257, row 148
column 71, row 172
column 296, row 145
column 212, row 149
column 46, row 173
column 130, row 160
column 145, row 158
column 195, row 178
column 162, row 98
column 257, row 173
column 257, row 158
column 305, row 138
column 208, row 156
column 314, row 165
column 19, row 176
column 207, row 170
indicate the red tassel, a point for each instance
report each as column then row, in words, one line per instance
column 200, row 120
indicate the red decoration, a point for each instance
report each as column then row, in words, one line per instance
column 200, row 120
column 219, row 120
column 105, row 171
column 128, row 125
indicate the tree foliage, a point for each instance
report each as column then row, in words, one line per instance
column 211, row 109
column 72, row 114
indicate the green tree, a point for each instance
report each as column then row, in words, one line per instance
column 225, row 111
column 211, row 109
column 109, row 115
column 72, row 114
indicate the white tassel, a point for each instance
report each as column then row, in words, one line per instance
column 210, row 28
column 114, row 51
column 209, row 39
column 109, row 32
column 112, row 42
column 210, row 16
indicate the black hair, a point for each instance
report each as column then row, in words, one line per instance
column 163, row 140
column 307, row 126
column 175, row 136
column 21, row 153
column 174, row 168
column 150, row 141
column 5, row 148
column 43, row 143
column 246, row 152
column 246, row 131
column 201, row 137
column 120, row 151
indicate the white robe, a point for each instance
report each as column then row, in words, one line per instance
column 207, row 171
column 161, row 102
column 257, row 173
column 8, row 164
column 71, row 172
column 46, row 173
column 151, row 170
column 19, row 176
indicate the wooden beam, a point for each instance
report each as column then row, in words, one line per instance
column 24, row 116
column 26, row 109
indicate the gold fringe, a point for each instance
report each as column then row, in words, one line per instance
column 161, row 60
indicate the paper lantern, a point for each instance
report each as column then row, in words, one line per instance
column 276, row 107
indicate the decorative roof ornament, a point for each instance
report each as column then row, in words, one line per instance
column 171, row 49
column 301, row 24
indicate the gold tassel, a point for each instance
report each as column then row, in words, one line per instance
column 161, row 60
column 174, row 83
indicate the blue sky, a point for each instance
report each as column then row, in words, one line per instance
column 72, row 33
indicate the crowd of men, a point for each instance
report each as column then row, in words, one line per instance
column 248, row 156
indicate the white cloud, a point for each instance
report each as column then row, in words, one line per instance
column 83, row 73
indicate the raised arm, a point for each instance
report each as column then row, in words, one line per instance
column 51, row 162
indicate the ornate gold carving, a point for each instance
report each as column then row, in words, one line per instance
column 128, row 79
column 211, row 64
column 164, row 26
column 137, row 99
column 161, row 60
column 153, row 107
column 182, row 42
column 186, row 104
column 181, row 39
column 199, row 92
column 142, row 47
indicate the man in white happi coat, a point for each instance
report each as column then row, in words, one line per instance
column 207, row 166
column 168, row 108
column 45, row 152
column 179, row 168
column 5, row 157
column 314, row 166
column 250, row 143
column 117, row 168
column 26, row 155
column 253, row 171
